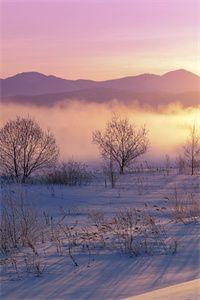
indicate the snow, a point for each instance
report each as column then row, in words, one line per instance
column 184, row 291
column 113, row 275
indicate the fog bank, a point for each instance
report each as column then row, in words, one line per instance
column 74, row 122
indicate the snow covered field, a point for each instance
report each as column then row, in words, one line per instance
column 186, row 290
column 111, row 274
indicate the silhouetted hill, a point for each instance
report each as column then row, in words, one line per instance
column 35, row 88
column 33, row 83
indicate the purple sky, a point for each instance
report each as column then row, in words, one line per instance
column 99, row 39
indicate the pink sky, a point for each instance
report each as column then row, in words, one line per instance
column 99, row 39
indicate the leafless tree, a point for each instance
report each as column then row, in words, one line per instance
column 181, row 164
column 121, row 141
column 110, row 171
column 167, row 164
column 192, row 148
column 25, row 148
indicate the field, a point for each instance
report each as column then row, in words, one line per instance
column 104, row 243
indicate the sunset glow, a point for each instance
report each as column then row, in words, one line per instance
column 99, row 149
column 99, row 39
column 73, row 125
column 102, row 39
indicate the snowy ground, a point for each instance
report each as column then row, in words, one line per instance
column 112, row 275
column 184, row 291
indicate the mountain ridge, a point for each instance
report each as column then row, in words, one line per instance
column 137, row 75
column 28, row 87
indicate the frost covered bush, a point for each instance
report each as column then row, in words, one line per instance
column 133, row 232
column 26, row 234
column 71, row 173
column 34, row 264
column 184, row 208
column 137, row 233
column 20, row 224
column 22, row 231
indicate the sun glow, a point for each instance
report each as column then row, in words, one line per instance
column 74, row 122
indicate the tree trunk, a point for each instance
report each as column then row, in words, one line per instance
column 192, row 168
column 122, row 169
column 24, row 178
column 192, row 163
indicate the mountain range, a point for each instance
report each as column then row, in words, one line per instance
column 36, row 88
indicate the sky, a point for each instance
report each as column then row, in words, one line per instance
column 99, row 39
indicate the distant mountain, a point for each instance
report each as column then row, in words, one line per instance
column 175, row 81
column 33, row 83
column 32, row 87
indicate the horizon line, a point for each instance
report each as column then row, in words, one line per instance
column 138, row 74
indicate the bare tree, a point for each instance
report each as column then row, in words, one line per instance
column 25, row 148
column 110, row 172
column 167, row 164
column 181, row 164
column 192, row 148
column 121, row 141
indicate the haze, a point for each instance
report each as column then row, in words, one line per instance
column 102, row 39
column 74, row 122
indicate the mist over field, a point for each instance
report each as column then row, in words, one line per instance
column 100, row 149
column 73, row 123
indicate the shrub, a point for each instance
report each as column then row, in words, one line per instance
column 184, row 208
column 71, row 173
column 20, row 224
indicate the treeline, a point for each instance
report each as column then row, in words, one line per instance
column 26, row 150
